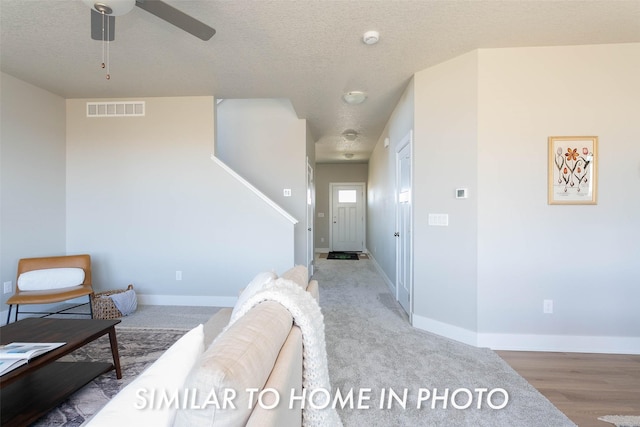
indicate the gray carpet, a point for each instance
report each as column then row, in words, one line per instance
column 371, row 345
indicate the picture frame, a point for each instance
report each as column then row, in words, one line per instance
column 573, row 170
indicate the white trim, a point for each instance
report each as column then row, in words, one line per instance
column 446, row 330
column 187, row 300
column 253, row 189
column 531, row 342
column 323, row 250
column 561, row 343
column 407, row 141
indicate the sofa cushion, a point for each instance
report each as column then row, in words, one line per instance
column 298, row 274
column 50, row 278
column 215, row 325
column 139, row 403
column 240, row 358
column 254, row 286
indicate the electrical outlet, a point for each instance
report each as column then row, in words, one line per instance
column 547, row 306
column 286, row 192
column 178, row 275
column 8, row 287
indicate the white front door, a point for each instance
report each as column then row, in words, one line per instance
column 347, row 217
column 404, row 235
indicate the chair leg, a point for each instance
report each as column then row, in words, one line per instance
column 9, row 315
column 17, row 305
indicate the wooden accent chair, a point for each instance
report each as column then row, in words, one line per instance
column 52, row 279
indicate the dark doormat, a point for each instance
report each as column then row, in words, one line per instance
column 343, row 255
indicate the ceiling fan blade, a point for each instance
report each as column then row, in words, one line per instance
column 96, row 26
column 180, row 19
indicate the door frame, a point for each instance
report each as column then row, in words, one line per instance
column 363, row 187
column 311, row 209
column 407, row 140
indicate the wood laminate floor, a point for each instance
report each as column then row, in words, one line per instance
column 583, row 386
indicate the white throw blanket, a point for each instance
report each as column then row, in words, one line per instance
column 308, row 317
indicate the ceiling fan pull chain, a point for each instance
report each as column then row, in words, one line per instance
column 108, row 44
column 103, row 39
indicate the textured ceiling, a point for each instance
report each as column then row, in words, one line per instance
column 307, row 51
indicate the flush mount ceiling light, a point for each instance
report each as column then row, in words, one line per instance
column 354, row 97
column 348, row 155
column 371, row 37
column 350, row 135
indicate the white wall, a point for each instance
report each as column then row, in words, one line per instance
column 32, row 175
column 585, row 258
column 264, row 141
column 145, row 199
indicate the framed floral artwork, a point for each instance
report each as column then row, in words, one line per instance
column 573, row 166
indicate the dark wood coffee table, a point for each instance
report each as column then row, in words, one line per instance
column 35, row 388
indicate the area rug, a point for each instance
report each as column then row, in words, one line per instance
column 343, row 255
column 138, row 348
column 622, row 420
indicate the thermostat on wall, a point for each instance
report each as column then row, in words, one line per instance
column 461, row 193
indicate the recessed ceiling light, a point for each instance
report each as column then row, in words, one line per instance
column 371, row 37
column 354, row 97
column 350, row 135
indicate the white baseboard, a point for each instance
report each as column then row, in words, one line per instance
column 323, row 250
column 194, row 300
column 531, row 342
column 561, row 343
column 446, row 330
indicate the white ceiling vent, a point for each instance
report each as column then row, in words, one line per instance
column 115, row 109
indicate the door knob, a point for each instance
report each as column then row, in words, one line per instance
column 309, row 229
column 396, row 234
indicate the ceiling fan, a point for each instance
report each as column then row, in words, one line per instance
column 104, row 12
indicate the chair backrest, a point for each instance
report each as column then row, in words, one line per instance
column 66, row 261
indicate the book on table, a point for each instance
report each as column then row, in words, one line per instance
column 17, row 354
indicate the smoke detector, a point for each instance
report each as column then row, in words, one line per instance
column 371, row 37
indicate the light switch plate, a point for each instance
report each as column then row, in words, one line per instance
column 439, row 220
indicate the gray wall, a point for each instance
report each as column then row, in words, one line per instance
column 326, row 173
column 32, row 175
column 146, row 200
column 446, row 156
column 585, row 257
column 264, row 141
column 482, row 121
column 381, row 214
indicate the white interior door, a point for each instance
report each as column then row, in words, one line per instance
column 404, row 221
column 347, row 217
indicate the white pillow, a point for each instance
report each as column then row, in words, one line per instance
column 136, row 404
column 50, row 278
column 254, row 286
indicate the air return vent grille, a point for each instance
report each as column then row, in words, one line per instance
column 115, row 109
